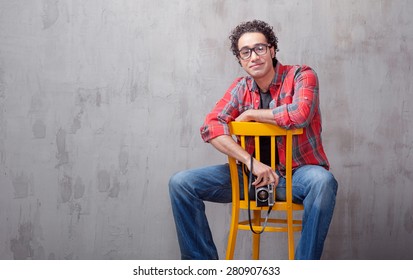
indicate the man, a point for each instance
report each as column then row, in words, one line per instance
column 272, row 93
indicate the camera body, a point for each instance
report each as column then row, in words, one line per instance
column 264, row 196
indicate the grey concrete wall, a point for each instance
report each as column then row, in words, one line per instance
column 101, row 101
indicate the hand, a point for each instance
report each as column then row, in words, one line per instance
column 246, row 116
column 265, row 175
column 259, row 115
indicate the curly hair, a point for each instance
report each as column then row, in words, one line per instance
column 253, row 26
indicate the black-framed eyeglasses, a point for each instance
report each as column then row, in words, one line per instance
column 259, row 49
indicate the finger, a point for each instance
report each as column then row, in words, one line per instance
column 263, row 181
column 271, row 180
column 276, row 180
column 257, row 181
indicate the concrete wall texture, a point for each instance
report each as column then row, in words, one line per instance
column 101, row 102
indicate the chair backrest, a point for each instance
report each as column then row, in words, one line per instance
column 242, row 130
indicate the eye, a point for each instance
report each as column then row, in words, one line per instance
column 260, row 47
column 244, row 51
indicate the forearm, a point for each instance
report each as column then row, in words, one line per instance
column 264, row 174
column 288, row 118
column 261, row 115
column 228, row 146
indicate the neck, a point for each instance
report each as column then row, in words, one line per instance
column 265, row 82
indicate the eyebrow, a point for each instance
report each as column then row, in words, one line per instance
column 254, row 45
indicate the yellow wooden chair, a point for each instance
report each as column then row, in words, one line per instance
column 285, row 224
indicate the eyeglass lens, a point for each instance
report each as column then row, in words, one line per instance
column 259, row 49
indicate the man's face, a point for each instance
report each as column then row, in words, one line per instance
column 258, row 66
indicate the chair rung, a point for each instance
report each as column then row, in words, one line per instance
column 269, row 228
column 278, row 206
column 273, row 221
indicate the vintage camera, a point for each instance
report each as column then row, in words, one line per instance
column 264, row 196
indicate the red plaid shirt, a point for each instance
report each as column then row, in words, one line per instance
column 295, row 104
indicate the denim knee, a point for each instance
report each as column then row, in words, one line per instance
column 324, row 178
column 329, row 181
column 326, row 191
column 175, row 182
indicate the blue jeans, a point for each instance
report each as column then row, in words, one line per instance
column 313, row 186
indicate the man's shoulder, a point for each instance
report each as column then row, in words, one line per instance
column 241, row 83
column 300, row 72
column 296, row 68
column 291, row 74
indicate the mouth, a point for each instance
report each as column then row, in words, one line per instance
column 256, row 65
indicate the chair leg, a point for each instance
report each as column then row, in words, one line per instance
column 256, row 237
column 233, row 230
column 290, row 234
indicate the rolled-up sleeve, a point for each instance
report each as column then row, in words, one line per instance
column 224, row 111
column 299, row 98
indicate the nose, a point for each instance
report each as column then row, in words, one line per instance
column 254, row 55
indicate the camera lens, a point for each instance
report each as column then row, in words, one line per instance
column 262, row 195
